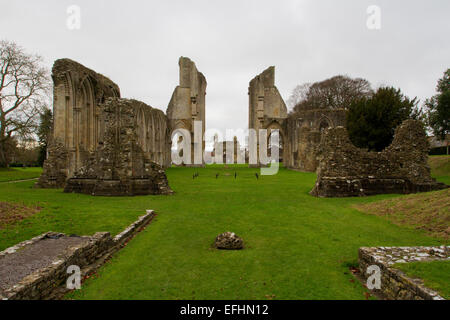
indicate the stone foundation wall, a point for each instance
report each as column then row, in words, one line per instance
column 50, row 282
column 395, row 284
column 402, row 168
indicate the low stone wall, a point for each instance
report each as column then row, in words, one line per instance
column 50, row 282
column 395, row 284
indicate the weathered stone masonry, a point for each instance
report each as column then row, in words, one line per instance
column 77, row 94
column 395, row 284
column 187, row 104
column 267, row 109
column 305, row 129
column 402, row 168
column 49, row 281
column 104, row 145
column 122, row 164
column 300, row 132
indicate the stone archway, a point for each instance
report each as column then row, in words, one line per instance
column 324, row 123
column 271, row 131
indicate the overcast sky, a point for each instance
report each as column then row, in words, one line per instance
column 137, row 44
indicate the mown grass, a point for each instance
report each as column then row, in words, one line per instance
column 14, row 174
column 435, row 274
column 297, row 246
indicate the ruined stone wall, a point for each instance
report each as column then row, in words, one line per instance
column 304, row 130
column 300, row 132
column 267, row 109
column 402, row 168
column 79, row 123
column 395, row 284
column 266, row 105
column 78, row 92
column 188, row 101
column 124, row 163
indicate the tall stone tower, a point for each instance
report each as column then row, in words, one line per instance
column 187, row 104
column 267, row 109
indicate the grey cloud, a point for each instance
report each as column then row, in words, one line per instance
column 137, row 44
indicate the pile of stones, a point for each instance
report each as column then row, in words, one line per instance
column 229, row 241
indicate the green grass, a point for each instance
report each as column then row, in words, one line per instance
column 436, row 274
column 297, row 246
column 440, row 168
column 14, row 174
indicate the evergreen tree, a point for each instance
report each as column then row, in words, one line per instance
column 438, row 108
column 371, row 121
column 44, row 134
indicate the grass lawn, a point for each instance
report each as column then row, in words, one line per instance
column 440, row 168
column 436, row 274
column 13, row 174
column 297, row 246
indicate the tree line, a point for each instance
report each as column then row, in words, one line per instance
column 373, row 115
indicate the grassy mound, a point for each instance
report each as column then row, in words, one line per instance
column 425, row 211
column 440, row 168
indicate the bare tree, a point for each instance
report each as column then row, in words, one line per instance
column 334, row 93
column 24, row 88
column 298, row 95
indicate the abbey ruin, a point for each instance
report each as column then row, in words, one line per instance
column 402, row 168
column 106, row 145
column 300, row 132
column 188, row 102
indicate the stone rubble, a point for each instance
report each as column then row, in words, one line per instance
column 402, row 168
column 229, row 241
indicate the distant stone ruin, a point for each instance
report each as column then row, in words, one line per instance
column 267, row 109
column 300, row 132
column 187, row 104
column 228, row 152
column 305, row 129
column 104, row 145
column 402, row 168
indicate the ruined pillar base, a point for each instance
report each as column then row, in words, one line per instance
column 115, row 188
column 55, row 169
